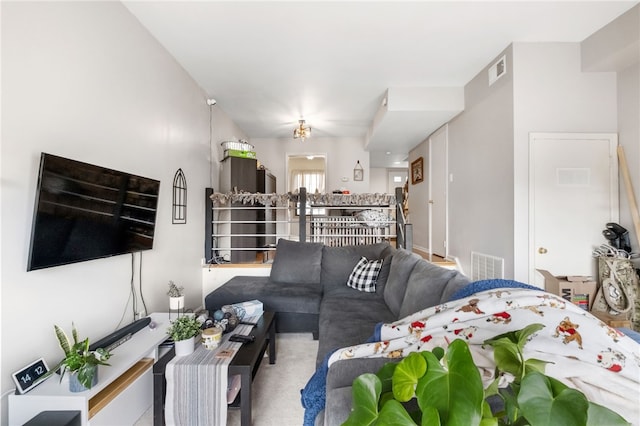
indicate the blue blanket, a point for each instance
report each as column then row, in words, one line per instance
column 483, row 285
column 313, row 396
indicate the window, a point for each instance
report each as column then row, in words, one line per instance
column 312, row 180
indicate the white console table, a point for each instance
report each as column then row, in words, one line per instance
column 124, row 391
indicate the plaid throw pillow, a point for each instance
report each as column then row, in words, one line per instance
column 365, row 274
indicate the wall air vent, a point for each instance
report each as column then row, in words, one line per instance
column 486, row 267
column 497, row 70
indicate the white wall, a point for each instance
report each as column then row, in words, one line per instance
column 342, row 155
column 84, row 80
column 628, row 83
column 616, row 47
column 481, row 162
column 552, row 94
column 379, row 180
column 544, row 90
column 222, row 129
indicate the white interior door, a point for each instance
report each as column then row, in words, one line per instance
column 438, row 192
column 573, row 194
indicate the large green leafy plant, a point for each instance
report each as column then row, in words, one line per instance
column 448, row 390
column 78, row 358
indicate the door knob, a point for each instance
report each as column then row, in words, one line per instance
column 542, row 250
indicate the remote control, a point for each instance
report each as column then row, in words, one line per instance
column 241, row 339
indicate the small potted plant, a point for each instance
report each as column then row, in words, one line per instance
column 183, row 332
column 176, row 296
column 79, row 361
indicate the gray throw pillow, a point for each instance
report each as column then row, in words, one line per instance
column 297, row 263
column 402, row 264
column 425, row 287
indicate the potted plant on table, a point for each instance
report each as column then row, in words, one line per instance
column 176, row 296
column 79, row 361
column 183, row 332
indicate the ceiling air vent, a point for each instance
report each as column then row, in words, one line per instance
column 497, row 70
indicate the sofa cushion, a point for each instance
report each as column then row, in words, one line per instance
column 338, row 262
column 424, row 289
column 276, row 297
column 338, row 405
column 346, row 321
column 297, row 263
column 383, row 276
column 402, row 264
column 455, row 284
column 365, row 274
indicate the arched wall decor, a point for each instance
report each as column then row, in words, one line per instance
column 179, row 211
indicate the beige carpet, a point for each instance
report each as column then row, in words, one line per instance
column 276, row 388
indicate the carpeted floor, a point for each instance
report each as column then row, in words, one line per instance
column 276, row 388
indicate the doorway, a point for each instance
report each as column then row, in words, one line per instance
column 306, row 170
column 573, row 194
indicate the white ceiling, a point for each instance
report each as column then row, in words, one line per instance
column 269, row 63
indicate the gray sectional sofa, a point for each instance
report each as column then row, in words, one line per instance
column 307, row 290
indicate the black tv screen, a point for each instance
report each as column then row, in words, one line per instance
column 85, row 212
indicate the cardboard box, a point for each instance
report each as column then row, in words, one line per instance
column 616, row 321
column 579, row 290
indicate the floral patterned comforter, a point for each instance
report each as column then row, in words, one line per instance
column 582, row 351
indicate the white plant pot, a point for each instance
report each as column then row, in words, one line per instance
column 185, row 347
column 176, row 303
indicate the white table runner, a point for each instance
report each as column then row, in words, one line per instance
column 197, row 383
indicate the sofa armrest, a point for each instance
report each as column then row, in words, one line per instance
column 342, row 373
column 339, row 380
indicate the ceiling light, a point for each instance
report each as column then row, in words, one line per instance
column 302, row 131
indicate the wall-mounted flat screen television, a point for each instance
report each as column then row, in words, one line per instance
column 85, row 212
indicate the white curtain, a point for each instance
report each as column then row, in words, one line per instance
column 311, row 179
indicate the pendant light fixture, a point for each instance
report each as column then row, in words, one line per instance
column 302, row 131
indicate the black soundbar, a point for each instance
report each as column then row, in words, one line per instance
column 128, row 330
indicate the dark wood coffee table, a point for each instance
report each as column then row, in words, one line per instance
column 245, row 363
